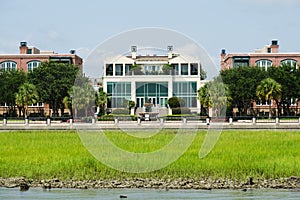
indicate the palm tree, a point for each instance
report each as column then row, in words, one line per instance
column 83, row 96
column 67, row 101
column 26, row 95
column 101, row 101
column 269, row 89
column 215, row 94
column 205, row 98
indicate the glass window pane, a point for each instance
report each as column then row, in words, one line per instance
column 184, row 69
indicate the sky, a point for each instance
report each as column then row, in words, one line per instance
column 236, row 25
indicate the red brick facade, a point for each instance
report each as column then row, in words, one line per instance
column 270, row 52
column 29, row 54
column 24, row 57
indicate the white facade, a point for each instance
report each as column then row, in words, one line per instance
column 154, row 78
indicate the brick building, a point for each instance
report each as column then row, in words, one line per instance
column 265, row 57
column 30, row 58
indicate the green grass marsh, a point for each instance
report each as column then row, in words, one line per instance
column 238, row 154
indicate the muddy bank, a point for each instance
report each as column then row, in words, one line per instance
column 206, row 184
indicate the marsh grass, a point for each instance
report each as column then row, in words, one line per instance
column 237, row 155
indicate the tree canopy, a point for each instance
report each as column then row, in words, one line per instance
column 10, row 81
column 53, row 80
column 215, row 95
column 269, row 89
column 26, row 96
column 242, row 83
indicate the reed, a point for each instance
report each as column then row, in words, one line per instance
column 237, row 155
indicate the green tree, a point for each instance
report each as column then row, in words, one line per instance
column 53, row 80
column 215, row 94
column 269, row 89
column 288, row 77
column 10, row 81
column 83, row 97
column 203, row 74
column 167, row 68
column 136, row 69
column 101, row 101
column 26, row 95
column 204, row 98
column 67, row 101
column 242, row 83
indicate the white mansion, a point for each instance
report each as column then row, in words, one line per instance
column 152, row 78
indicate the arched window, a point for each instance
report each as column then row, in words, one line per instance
column 32, row 65
column 264, row 64
column 8, row 65
column 290, row 62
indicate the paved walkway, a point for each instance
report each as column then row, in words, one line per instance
column 146, row 125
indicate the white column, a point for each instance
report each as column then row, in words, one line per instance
column 104, row 69
column 189, row 68
column 114, row 69
column 104, row 85
column 123, row 69
column 170, row 88
column 179, row 69
column 133, row 94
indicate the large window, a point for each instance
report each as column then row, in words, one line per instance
column 290, row 62
column 194, row 69
column 109, row 70
column 264, row 64
column 32, row 65
column 175, row 69
column 8, row 65
column 241, row 61
column 39, row 104
column 184, row 69
column 157, row 93
column 119, row 70
column 118, row 91
column 187, row 91
column 127, row 69
column 263, row 102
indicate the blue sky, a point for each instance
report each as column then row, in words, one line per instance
column 236, row 25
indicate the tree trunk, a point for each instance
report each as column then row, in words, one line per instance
column 270, row 109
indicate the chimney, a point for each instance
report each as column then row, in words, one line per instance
column 170, row 52
column 133, row 52
column 274, row 46
column 223, row 54
column 72, row 51
column 23, row 48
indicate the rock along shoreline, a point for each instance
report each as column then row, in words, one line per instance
column 149, row 183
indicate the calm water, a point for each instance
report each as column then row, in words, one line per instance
column 38, row 193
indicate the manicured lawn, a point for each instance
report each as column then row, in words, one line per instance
column 237, row 155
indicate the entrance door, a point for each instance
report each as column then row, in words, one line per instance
column 140, row 102
column 152, row 100
column 163, row 101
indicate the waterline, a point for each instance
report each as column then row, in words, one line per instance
column 38, row 193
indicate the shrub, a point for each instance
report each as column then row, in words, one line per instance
column 175, row 102
column 119, row 111
column 183, row 110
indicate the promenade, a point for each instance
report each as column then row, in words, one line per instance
column 114, row 125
